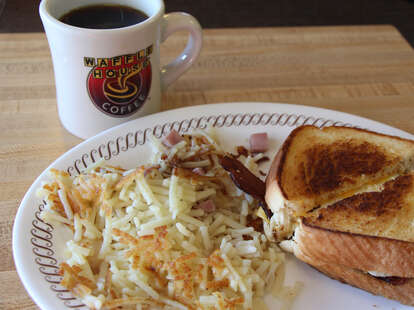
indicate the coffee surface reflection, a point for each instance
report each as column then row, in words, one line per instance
column 102, row 16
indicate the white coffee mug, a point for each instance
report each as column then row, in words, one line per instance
column 105, row 77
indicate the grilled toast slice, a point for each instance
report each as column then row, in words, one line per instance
column 316, row 167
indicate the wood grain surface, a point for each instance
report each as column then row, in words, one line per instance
column 367, row 71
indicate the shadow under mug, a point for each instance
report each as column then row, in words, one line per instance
column 105, row 77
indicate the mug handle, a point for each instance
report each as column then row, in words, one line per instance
column 174, row 22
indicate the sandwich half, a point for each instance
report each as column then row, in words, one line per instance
column 343, row 202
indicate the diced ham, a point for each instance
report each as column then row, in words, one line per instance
column 259, row 143
column 208, row 206
column 172, row 139
column 199, row 171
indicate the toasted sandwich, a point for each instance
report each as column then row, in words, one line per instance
column 343, row 202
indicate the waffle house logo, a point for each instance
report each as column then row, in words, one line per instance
column 119, row 86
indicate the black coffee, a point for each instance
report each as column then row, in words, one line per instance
column 103, row 16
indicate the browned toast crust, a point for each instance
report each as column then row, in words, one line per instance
column 274, row 176
column 387, row 256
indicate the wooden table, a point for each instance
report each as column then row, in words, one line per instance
column 368, row 71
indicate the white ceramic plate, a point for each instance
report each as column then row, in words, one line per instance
column 37, row 246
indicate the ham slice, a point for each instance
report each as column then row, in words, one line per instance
column 208, row 206
column 259, row 143
column 172, row 139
